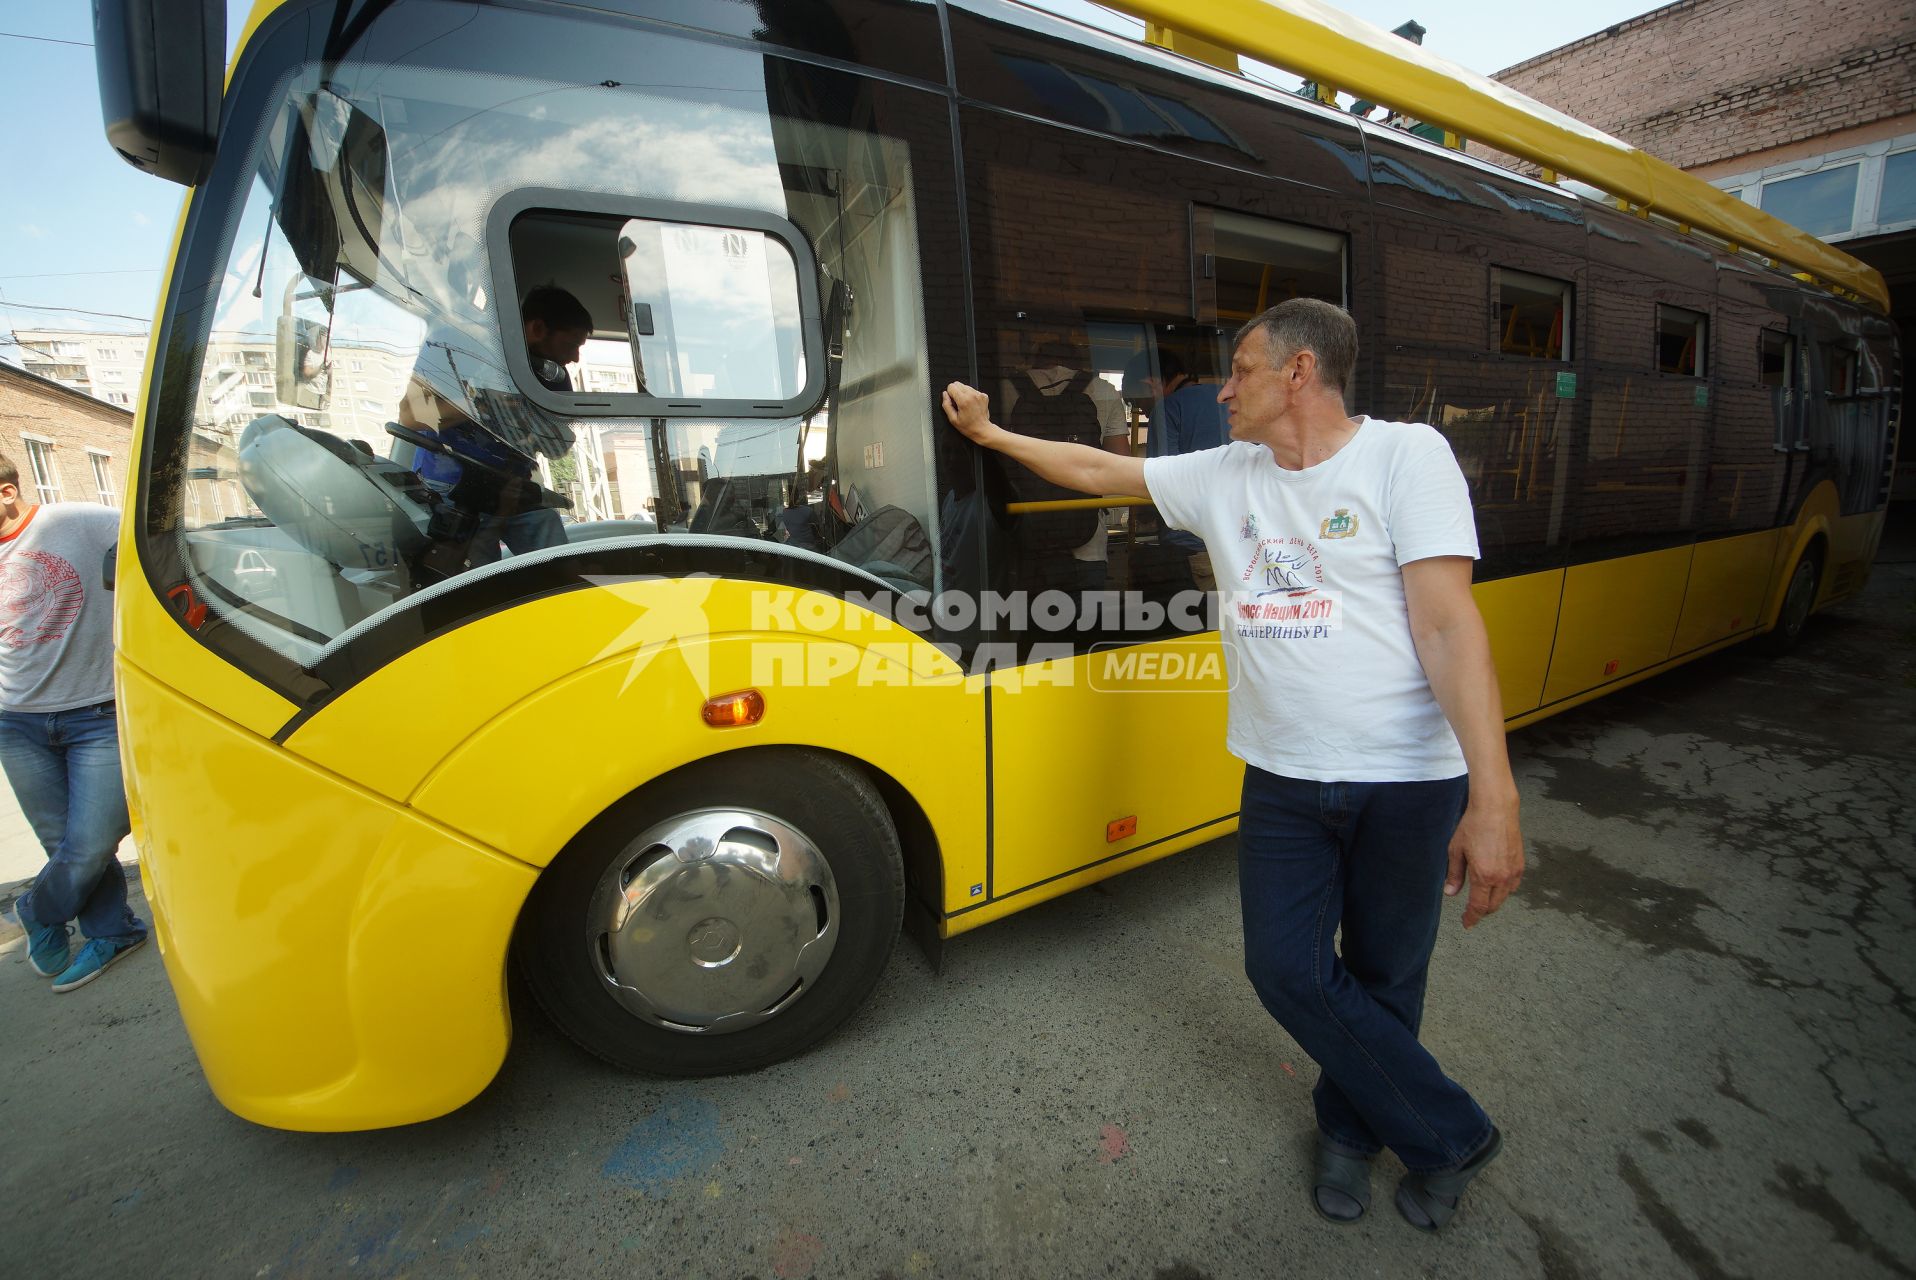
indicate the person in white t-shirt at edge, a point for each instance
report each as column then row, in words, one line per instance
column 59, row 742
column 1365, row 706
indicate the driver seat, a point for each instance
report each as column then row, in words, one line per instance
column 349, row 507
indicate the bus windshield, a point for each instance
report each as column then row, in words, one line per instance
column 457, row 319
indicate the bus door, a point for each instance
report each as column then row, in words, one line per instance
column 1749, row 455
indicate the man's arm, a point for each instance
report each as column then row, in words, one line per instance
column 1455, row 652
column 1101, row 472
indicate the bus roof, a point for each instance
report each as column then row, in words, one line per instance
column 1334, row 48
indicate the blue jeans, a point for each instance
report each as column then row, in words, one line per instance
column 1370, row 857
column 64, row 767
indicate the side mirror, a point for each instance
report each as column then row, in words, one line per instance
column 302, row 355
column 161, row 65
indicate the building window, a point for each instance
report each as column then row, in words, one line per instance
column 1776, row 361
column 1533, row 315
column 1681, row 337
column 1822, row 203
column 103, row 476
column 1898, row 203
column 118, row 397
column 46, row 477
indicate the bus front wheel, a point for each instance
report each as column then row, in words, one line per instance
column 1798, row 598
column 724, row 918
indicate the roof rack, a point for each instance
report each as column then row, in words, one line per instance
column 1331, row 47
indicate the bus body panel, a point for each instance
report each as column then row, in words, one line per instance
column 1852, row 546
column 1080, row 743
column 1729, row 578
column 1045, row 890
column 155, row 641
column 1520, row 615
column 517, row 786
column 295, row 913
column 1618, row 617
column 1621, row 682
column 467, row 677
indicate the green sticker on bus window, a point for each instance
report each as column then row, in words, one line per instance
column 1702, row 396
column 1566, row 386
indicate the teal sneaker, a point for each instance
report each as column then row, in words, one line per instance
column 94, row 959
column 48, row 950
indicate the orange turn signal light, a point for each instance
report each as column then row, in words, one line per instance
column 731, row 710
column 1122, row 829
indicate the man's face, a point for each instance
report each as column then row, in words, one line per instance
column 561, row 346
column 1260, row 392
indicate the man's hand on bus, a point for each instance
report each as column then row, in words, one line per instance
column 1488, row 850
column 1107, row 471
column 969, row 410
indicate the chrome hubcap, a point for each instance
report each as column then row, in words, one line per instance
column 713, row 921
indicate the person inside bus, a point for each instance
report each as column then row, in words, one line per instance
column 1061, row 398
column 1185, row 417
column 555, row 326
column 1368, row 716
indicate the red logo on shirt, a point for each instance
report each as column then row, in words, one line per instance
column 40, row 596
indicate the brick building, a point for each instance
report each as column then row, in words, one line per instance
column 69, row 446
column 1804, row 108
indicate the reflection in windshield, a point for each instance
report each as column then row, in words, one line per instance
column 358, row 433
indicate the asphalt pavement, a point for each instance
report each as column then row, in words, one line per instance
column 1694, row 1024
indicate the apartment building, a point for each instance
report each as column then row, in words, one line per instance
column 104, row 366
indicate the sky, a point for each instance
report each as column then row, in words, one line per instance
column 81, row 231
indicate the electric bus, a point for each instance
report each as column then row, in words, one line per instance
column 683, row 662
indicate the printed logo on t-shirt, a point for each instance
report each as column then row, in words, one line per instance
column 1341, row 524
column 40, row 596
column 1282, row 594
column 1248, row 530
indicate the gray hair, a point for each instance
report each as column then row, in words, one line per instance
column 1324, row 329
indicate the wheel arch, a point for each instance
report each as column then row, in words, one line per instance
column 1811, row 541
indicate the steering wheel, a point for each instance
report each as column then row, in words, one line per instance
column 450, row 449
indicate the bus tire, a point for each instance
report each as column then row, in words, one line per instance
column 661, row 938
column 1798, row 598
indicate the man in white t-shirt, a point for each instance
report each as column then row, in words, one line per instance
column 1365, row 707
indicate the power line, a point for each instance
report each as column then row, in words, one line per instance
column 78, row 311
column 61, row 275
column 15, row 35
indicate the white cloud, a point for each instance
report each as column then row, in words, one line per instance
column 33, row 232
column 141, row 220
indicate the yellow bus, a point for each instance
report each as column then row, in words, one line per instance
column 683, row 661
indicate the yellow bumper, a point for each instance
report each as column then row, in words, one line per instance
column 339, row 960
